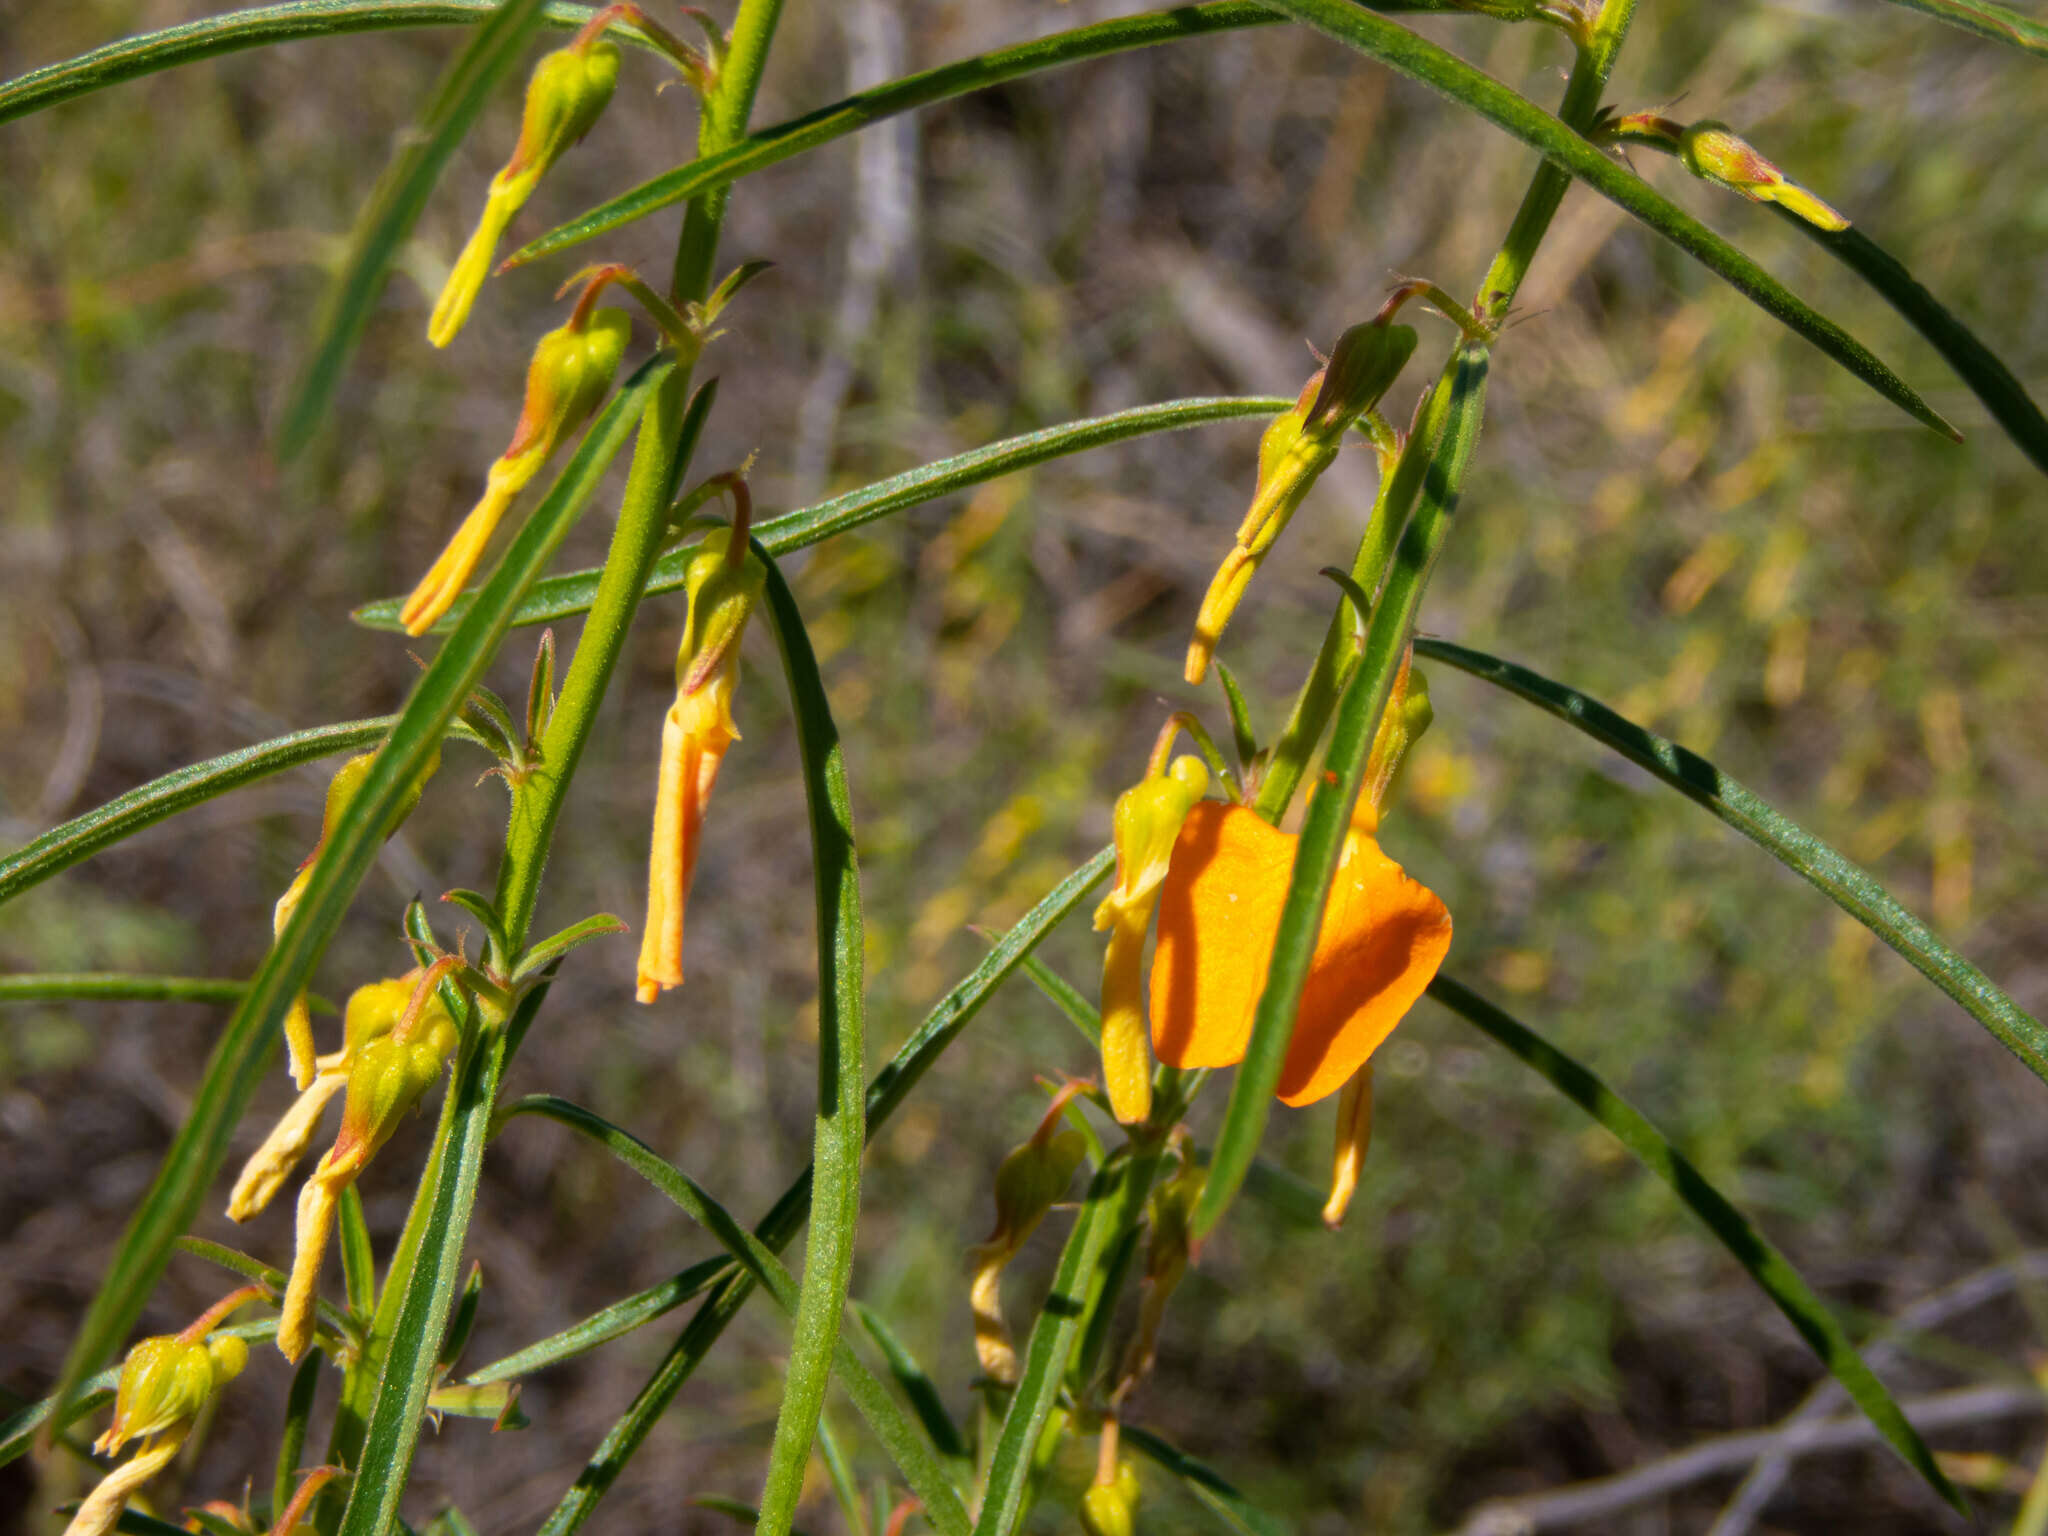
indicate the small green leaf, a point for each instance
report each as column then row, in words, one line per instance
column 394, row 206
column 612, row 1322
column 564, row 596
column 1242, row 736
column 1848, row 885
column 479, row 906
column 464, row 1320
column 1769, row 1268
column 550, row 949
column 358, row 1263
column 1065, row 996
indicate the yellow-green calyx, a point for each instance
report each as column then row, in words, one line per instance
column 1715, row 152
column 1028, row 1182
column 568, row 91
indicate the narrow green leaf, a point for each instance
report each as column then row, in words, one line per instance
column 1045, row 1356
column 915, row 1385
column 1065, row 996
column 839, row 1134
column 563, row 596
column 478, row 906
column 249, row 1267
column 427, row 1290
column 109, row 987
column 892, row 1084
column 394, row 206
column 924, row 1475
column 464, row 1320
column 291, row 1443
column 358, row 1263
column 771, row 145
column 1848, row 885
column 1242, row 736
column 246, row 1045
column 2000, row 23
column 1975, row 364
column 540, row 956
column 1329, row 811
column 1232, row 1507
column 209, row 36
column 1403, row 51
column 1769, row 1268
column 83, row 836
column 601, row 1327
column 133, row 1522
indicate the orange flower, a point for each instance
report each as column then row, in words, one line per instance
column 1383, row 937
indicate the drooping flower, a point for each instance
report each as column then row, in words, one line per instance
column 723, row 584
column 573, row 365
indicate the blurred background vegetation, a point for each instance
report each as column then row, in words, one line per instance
column 1676, row 506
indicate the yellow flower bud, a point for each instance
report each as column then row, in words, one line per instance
column 1293, row 453
column 1408, row 714
column 1354, row 1140
column 1714, row 152
column 164, row 1380
column 567, row 93
column 572, row 368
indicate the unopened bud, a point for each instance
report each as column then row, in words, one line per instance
column 1028, row 1183
column 572, row 368
column 1714, row 152
column 1408, row 715
column 386, row 1079
column 1293, row 453
column 164, row 1380
column 567, row 93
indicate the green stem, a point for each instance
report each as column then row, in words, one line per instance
column 1539, row 204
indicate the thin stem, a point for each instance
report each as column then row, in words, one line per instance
column 1539, row 204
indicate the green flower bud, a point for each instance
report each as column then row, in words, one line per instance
column 166, row 1381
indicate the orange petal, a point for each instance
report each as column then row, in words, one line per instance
column 1219, row 910
column 1383, row 937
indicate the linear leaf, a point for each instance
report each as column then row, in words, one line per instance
column 892, row 1084
column 83, row 836
column 839, row 1135
column 1975, row 364
column 2000, row 23
column 109, row 987
column 1848, row 885
column 394, row 206
column 1329, row 812
column 1403, row 51
column 547, row 951
column 230, row 32
column 571, row 593
column 1232, row 1507
column 601, row 1327
column 915, row 1385
column 246, row 1045
column 1769, row 1268
column 913, row 1458
column 291, row 1442
column 1045, row 1355
column 249, row 1267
